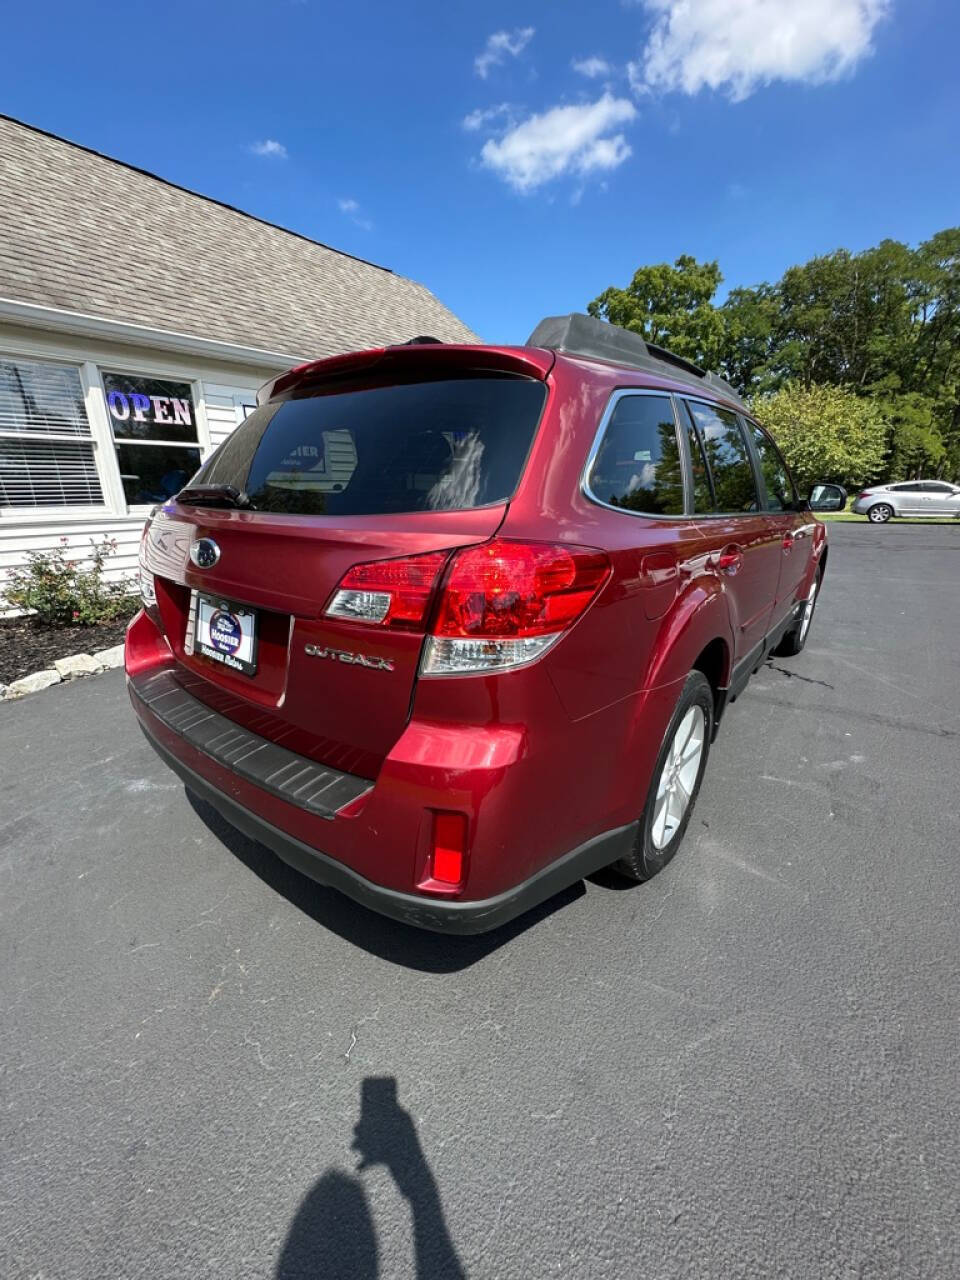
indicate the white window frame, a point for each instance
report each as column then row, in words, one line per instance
column 56, row 514
column 148, row 369
column 51, row 349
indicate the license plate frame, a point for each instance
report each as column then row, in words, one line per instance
column 226, row 633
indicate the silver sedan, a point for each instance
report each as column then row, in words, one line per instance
column 909, row 498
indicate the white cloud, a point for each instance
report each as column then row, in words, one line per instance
column 351, row 208
column 487, row 117
column 269, row 147
column 564, row 140
column 739, row 45
column 591, row 67
column 500, row 46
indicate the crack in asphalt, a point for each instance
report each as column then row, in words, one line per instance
column 848, row 713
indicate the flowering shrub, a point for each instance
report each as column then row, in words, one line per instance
column 62, row 593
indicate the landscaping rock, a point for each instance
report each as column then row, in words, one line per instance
column 32, row 683
column 3, row 692
column 110, row 657
column 78, row 664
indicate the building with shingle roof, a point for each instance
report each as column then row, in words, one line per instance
column 137, row 320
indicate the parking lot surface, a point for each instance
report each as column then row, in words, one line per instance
column 747, row 1067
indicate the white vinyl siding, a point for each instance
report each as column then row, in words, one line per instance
column 72, row 400
column 226, row 408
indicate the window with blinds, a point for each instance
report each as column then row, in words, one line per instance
column 46, row 450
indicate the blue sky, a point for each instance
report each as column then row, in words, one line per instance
column 461, row 145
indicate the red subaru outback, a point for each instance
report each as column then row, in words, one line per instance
column 450, row 627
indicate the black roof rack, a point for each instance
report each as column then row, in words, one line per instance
column 580, row 335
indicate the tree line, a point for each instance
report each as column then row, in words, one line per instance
column 851, row 359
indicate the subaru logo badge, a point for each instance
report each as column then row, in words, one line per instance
column 204, row 553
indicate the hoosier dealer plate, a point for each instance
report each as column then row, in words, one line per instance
column 226, row 633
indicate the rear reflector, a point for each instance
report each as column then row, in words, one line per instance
column 390, row 593
column 449, row 843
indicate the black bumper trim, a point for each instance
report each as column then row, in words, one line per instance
column 439, row 914
column 294, row 778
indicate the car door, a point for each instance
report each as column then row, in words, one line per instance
column 742, row 544
column 906, row 498
column 939, row 498
column 794, row 527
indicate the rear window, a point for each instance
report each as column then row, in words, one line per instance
column 426, row 446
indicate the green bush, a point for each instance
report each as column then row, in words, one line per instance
column 826, row 433
column 62, row 593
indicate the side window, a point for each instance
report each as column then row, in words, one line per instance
column 913, row 487
column 703, row 503
column 781, row 495
column 728, row 457
column 934, row 486
column 637, row 466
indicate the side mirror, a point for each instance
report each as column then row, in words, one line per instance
column 827, row 497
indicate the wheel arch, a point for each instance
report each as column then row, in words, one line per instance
column 698, row 629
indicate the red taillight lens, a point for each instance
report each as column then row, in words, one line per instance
column 865, row 494
column 518, row 589
column 389, row 593
column 505, row 603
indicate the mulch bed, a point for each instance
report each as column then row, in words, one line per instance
column 25, row 647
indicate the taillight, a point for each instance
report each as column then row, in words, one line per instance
column 503, row 604
column 148, row 590
column 865, row 494
column 388, row 593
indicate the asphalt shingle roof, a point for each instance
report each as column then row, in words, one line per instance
column 86, row 233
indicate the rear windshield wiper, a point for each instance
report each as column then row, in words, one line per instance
column 214, row 495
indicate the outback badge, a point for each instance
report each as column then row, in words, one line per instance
column 352, row 659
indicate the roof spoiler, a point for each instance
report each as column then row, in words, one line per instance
column 580, row 335
column 421, row 352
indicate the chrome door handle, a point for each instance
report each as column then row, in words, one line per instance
column 729, row 560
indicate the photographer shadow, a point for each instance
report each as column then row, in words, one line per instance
column 332, row 1236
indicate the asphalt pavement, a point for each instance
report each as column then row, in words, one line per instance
column 748, row 1067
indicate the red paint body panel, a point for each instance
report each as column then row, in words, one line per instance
column 539, row 760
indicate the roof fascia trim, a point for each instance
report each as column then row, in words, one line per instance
column 90, row 326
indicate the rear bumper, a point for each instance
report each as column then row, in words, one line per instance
column 439, row 914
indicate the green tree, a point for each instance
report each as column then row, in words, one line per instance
column 914, row 441
column 826, row 433
column 749, row 318
column 883, row 323
column 671, row 306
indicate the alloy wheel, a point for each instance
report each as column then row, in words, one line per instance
column 808, row 607
column 678, row 777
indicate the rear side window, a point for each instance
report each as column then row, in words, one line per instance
column 426, row 446
column 637, row 465
column 725, row 445
column 703, row 503
column 781, row 495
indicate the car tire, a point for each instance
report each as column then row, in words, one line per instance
column 674, row 783
column 795, row 639
column 880, row 513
